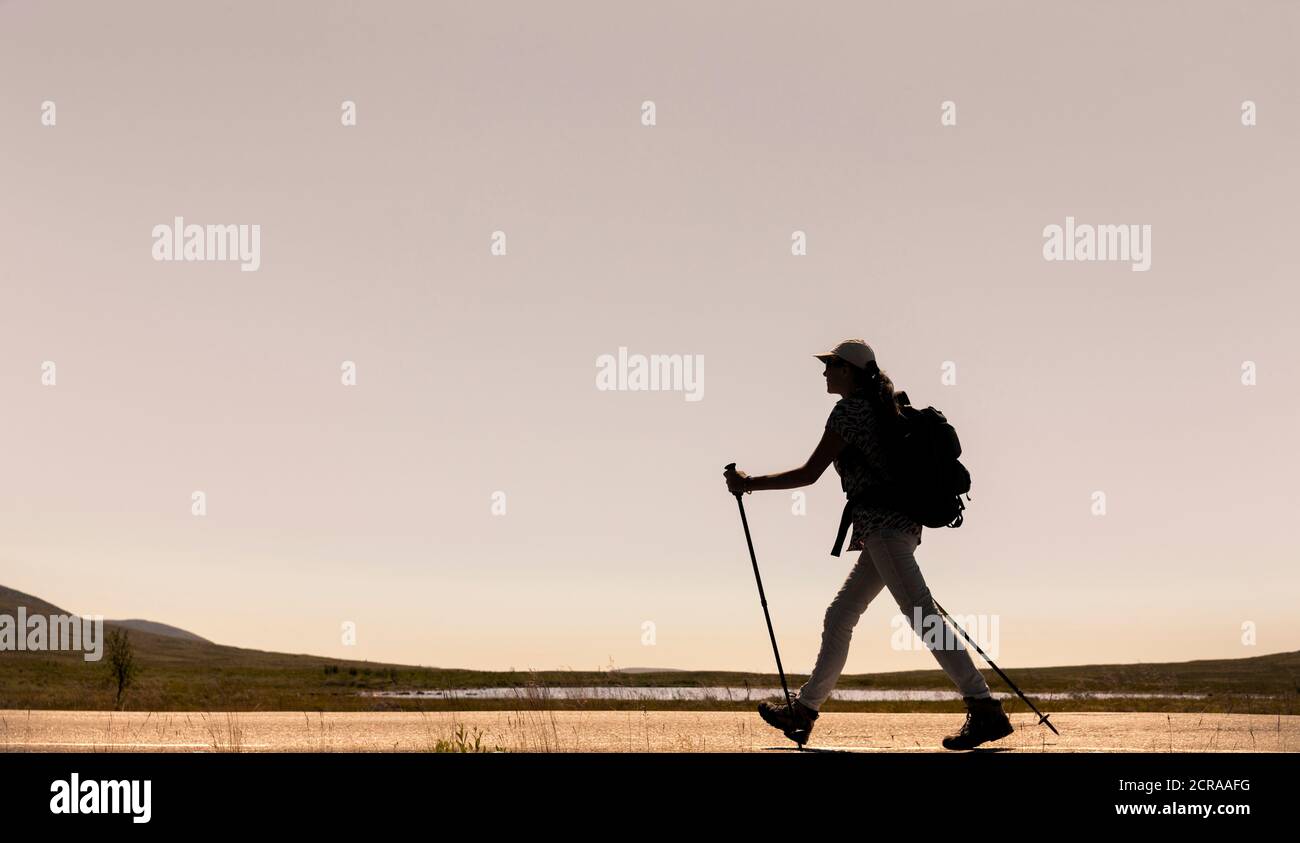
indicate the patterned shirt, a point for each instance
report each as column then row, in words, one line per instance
column 854, row 419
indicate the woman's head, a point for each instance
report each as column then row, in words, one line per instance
column 869, row 381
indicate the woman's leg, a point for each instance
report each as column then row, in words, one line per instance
column 861, row 587
column 892, row 553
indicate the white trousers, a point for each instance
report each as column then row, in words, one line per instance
column 887, row 561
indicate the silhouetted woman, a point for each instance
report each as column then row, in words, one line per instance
column 855, row 441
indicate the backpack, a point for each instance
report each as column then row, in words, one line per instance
column 924, row 460
column 929, row 479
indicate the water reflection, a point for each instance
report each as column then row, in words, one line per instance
column 738, row 694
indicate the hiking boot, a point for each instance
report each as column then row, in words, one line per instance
column 795, row 720
column 985, row 721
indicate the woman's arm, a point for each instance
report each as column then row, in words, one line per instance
column 805, row 475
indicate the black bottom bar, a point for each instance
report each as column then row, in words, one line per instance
column 566, row 792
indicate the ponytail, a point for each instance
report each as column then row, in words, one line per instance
column 878, row 389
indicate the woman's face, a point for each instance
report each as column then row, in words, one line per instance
column 839, row 380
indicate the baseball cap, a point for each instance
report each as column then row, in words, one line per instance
column 856, row 352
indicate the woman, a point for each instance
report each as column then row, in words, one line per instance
column 887, row 539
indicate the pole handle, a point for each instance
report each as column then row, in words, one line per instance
column 731, row 466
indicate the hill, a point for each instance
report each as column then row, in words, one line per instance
column 181, row 671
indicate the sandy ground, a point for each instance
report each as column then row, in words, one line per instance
column 618, row 731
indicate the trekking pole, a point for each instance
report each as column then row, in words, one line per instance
column 761, row 596
column 1042, row 718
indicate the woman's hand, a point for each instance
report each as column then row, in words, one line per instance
column 735, row 480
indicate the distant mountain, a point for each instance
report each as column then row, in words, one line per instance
column 158, row 629
column 11, row 599
column 181, row 671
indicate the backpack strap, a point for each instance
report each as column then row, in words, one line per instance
column 845, row 518
column 874, row 496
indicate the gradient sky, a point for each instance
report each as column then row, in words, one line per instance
column 476, row 373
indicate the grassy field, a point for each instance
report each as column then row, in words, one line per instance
column 178, row 674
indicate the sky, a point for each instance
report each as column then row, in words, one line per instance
column 923, row 150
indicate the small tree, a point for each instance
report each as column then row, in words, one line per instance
column 122, row 668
